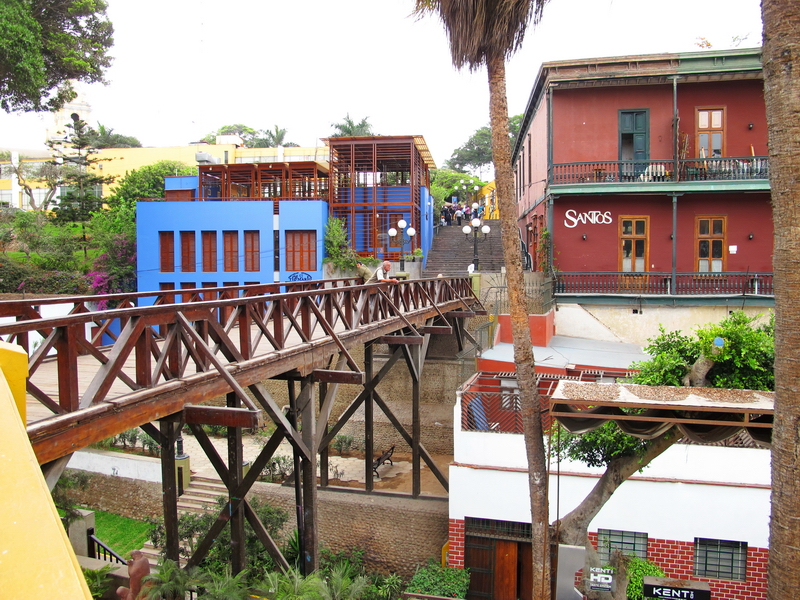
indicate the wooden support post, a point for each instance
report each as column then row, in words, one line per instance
column 244, row 333
column 169, row 487
column 67, row 356
column 307, row 407
column 238, row 555
column 323, row 452
column 369, row 407
column 296, row 473
column 414, row 370
column 144, row 359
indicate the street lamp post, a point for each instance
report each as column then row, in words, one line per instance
column 406, row 233
column 474, row 227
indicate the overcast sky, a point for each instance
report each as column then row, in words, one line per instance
column 183, row 68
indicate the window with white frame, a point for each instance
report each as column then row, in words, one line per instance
column 630, row 543
column 722, row 559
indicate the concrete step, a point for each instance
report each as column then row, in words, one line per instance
column 192, row 507
column 191, row 497
column 207, row 488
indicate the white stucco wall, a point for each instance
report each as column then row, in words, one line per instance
column 687, row 492
column 619, row 324
column 117, row 464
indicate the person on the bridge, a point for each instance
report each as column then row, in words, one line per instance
column 363, row 271
column 381, row 275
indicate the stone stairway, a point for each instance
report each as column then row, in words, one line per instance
column 200, row 496
column 452, row 251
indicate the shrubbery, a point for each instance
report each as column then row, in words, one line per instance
column 435, row 580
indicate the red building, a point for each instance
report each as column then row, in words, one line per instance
column 648, row 176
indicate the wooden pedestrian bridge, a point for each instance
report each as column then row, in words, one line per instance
column 156, row 358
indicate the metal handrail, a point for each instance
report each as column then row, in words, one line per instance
column 729, row 168
column 665, row 283
column 98, row 549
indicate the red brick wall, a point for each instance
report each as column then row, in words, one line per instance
column 675, row 558
column 455, row 539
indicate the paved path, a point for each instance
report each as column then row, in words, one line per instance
column 346, row 468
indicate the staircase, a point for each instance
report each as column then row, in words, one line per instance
column 452, row 251
column 201, row 496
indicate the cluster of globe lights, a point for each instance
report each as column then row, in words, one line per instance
column 475, row 224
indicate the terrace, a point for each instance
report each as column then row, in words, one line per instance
column 646, row 171
column 666, row 284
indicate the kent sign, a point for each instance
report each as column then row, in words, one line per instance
column 671, row 589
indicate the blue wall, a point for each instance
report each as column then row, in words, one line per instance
column 182, row 182
column 153, row 217
column 303, row 215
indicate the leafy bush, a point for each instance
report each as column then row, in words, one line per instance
column 745, row 361
column 278, row 468
column 638, row 569
column 55, row 282
column 192, row 526
column 435, row 580
column 12, row 274
column 98, row 580
column 342, row 443
column 339, row 250
column 115, row 269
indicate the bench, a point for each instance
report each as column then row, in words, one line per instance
column 383, row 458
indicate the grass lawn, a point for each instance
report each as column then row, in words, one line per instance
column 122, row 534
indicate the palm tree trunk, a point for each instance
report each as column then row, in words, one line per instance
column 523, row 349
column 781, row 59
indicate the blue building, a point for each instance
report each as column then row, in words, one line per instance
column 261, row 222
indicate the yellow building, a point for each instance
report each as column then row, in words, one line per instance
column 487, row 196
column 118, row 162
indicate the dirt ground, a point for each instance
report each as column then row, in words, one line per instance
column 401, row 479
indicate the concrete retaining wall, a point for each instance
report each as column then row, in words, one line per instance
column 397, row 533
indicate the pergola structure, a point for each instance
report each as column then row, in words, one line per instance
column 376, row 181
column 702, row 414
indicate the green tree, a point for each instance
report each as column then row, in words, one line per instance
column 349, row 128
column 476, row 153
column 44, row 44
column 446, row 183
column 271, row 138
column 113, row 233
column 243, row 131
column 81, row 177
column 487, row 32
column 747, row 352
column 148, row 181
column 104, row 137
column 28, row 229
column 49, row 173
column 781, row 60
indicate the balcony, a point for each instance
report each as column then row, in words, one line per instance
column 647, row 171
column 684, row 284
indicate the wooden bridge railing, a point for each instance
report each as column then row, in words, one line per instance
column 168, row 355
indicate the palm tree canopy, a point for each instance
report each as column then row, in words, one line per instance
column 479, row 30
column 349, row 128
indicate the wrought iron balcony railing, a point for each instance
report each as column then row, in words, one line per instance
column 644, row 171
column 684, row 284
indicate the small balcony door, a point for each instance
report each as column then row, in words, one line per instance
column 634, row 142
